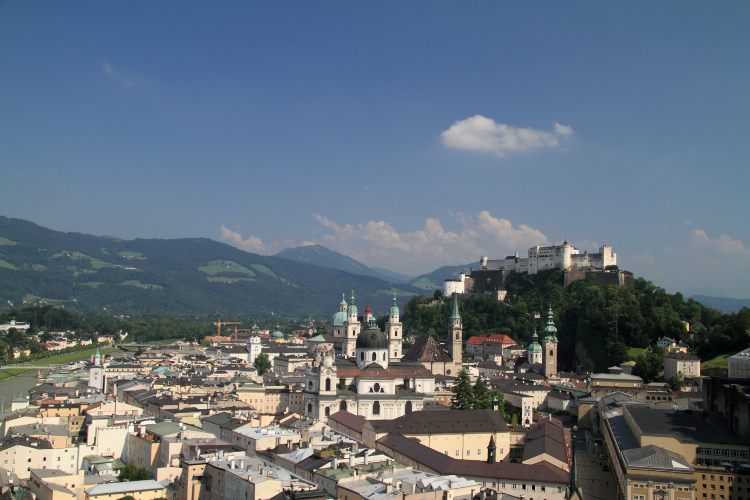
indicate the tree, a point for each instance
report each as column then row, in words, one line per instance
column 438, row 294
column 618, row 353
column 132, row 473
column 677, row 381
column 206, row 342
column 463, row 398
column 262, row 364
column 648, row 366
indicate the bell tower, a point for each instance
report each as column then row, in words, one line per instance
column 394, row 332
column 457, row 335
column 351, row 329
column 549, row 346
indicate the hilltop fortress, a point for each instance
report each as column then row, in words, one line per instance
column 494, row 273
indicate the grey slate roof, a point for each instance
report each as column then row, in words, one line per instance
column 685, row 425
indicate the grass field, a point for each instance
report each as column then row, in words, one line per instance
column 424, row 282
column 719, row 361
column 12, row 373
column 222, row 279
column 67, row 358
column 634, row 352
column 138, row 284
column 224, row 266
column 6, row 241
column 8, row 265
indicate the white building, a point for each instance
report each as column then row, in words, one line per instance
column 565, row 256
column 681, row 362
column 739, row 364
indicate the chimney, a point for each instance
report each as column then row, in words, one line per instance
column 351, row 460
column 334, row 462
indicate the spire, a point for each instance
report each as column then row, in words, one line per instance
column 550, row 331
column 491, row 451
column 394, row 306
column 455, row 314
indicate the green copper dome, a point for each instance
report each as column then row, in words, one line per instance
column 534, row 346
column 277, row 334
column 550, row 332
column 394, row 306
column 352, row 308
column 338, row 318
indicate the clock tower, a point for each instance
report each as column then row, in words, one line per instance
column 96, row 373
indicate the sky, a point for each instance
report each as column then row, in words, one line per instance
column 407, row 135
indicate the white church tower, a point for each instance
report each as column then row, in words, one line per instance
column 394, row 332
column 96, row 373
column 351, row 330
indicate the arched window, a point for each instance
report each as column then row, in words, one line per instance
column 309, row 385
column 383, row 356
column 408, row 407
column 376, row 408
column 406, row 383
column 362, row 356
column 456, row 336
column 374, row 357
column 342, row 406
column 551, row 353
column 328, row 384
column 309, row 407
column 328, row 411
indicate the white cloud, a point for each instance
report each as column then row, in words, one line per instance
column 724, row 244
column 479, row 133
column 378, row 243
column 251, row 244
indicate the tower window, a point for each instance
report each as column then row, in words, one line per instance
column 362, row 356
column 376, row 408
column 374, row 357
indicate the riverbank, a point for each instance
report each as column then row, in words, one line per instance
column 54, row 360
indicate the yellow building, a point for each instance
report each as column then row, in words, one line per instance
column 53, row 484
column 466, row 437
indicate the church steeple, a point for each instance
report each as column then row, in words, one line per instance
column 491, row 449
column 457, row 335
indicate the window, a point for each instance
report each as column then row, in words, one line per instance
column 457, row 454
column 376, row 408
column 361, row 356
column 479, row 452
column 468, row 453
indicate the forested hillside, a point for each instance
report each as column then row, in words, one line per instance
column 197, row 275
column 596, row 323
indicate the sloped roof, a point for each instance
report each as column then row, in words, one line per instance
column 436, row 422
column 425, row 350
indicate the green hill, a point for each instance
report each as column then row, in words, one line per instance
column 190, row 275
column 596, row 323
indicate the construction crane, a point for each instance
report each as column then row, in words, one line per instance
column 218, row 325
column 239, row 330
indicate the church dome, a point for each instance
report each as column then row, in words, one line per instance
column 352, row 307
column 338, row 318
column 534, row 346
column 372, row 338
column 394, row 308
column 277, row 334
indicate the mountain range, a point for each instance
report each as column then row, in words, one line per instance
column 190, row 275
column 723, row 304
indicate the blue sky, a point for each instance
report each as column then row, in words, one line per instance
column 408, row 135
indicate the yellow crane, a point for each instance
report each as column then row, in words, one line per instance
column 218, row 325
column 239, row 330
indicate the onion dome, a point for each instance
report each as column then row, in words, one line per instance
column 534, row 346
column 352, row 307
column 372, row 338
column 550, row 332
column 277, row 334
column 394, row 307
column 367, row 310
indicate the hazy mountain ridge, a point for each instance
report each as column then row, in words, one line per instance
column 188, row 275
column 723, row 304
